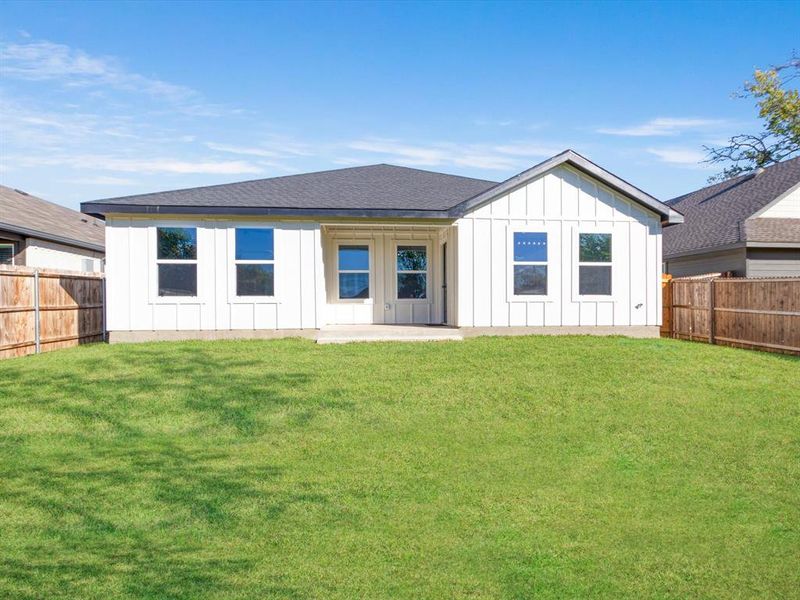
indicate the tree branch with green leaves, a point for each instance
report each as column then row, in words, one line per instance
column 778, row 101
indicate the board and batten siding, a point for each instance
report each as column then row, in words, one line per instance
column 134, row 304
column 562, row 202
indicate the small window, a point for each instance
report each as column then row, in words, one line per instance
column 177, row 243
column 177, row 261
column 255, row 262
column 530, row 263
column 88, row 265
column 594, row 264
column 412, row 272
column 6, row 254
column 353, row 272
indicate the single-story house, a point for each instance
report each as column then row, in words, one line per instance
column 748, row 226
column 38, row 233
column 565, row 243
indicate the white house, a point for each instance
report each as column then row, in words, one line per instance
column 563, row 244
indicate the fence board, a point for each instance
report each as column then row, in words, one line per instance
column 70, row 310
column 761, row 314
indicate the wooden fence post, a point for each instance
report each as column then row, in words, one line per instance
column 671, row 309
column 36, row 326
column 103, row 309
column 711, row 318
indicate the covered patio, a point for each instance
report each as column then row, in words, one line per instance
column 389, row 274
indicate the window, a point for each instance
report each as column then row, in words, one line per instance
column 255, row 262
column 412, row 272
column 87, row 265
column 353, row 272
column 177, row 261
column 6, row 254
column 594, row 264
column 530, row 263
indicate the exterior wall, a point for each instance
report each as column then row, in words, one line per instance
column 383, row 306
column 708, row 262
column 563, row 203
column 787, row 207
column 773, row 262
column 132, row 288
column 50, row 255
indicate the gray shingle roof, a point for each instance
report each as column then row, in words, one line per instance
column 772, row 230
column 28, row 215
column 715, row 216
column 374, row 187
column 373, row 191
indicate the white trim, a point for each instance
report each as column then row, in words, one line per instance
column 371, row 271
column 549, row 231
column 576, row 263
column 231, row 263
column 154, row 261
column 428, row 252
column 10, row 245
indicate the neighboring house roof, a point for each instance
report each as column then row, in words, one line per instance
column 30, row 216
column 717, row 215
column 372, row 191
column 772, row 230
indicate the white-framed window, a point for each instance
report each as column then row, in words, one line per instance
column 594, row 263
column 6, row 254
column 412, row 271
column 353, row 261
column 529, row 264
column 176, row 261
column 254, row 262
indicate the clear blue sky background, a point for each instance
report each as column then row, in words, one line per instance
column 108, row 99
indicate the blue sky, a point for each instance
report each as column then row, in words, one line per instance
column 100, row 100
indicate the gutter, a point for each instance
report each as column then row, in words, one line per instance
column 100, row 209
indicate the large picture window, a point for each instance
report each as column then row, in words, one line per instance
column 255, row 262
column 353, row 268
column 530, row 263
column 176, row 257
column 412, row 272
column 594, row 264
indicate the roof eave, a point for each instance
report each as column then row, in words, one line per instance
column 51, row 237
column 101, row 209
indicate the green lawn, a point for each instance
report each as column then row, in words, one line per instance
column 495, row 467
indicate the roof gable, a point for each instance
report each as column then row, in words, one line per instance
column 584, row 165
column 715, row 215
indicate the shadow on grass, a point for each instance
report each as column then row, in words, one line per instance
column 123, row 502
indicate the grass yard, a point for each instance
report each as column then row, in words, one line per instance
column 496, row 467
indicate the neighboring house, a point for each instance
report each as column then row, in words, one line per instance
column 38, row 233
column 564, row 243
column 749, row 226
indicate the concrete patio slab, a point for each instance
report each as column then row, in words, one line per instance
column 343, row 334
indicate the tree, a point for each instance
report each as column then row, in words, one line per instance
column 779, row 107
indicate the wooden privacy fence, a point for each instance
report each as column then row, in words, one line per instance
column 762, row 314
column 42, row 310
